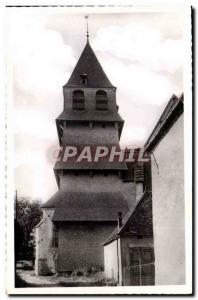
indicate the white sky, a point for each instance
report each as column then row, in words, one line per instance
column 141, row 54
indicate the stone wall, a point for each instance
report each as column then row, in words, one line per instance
column 45, row 252
column 168, row 207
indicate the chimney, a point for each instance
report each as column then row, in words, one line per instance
column 119, row 219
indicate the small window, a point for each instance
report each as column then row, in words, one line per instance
column 101, row 100
column 134, row 256
column 84, row 79
column 147, row 255
column 78, row 100
column 55, row 236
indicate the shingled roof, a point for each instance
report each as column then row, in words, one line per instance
column 108, row 116
column 138, row 220
column 85, row 206
column 89, row 116
column 88, row 64
column 85, row 165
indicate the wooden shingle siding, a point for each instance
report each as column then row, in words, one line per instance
column 80, row 245
column 88, row 64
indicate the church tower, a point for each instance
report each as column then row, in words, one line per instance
column 85, row 209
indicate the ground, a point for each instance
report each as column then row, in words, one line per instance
column 27, row 278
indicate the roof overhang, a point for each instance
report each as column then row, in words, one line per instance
column 171, row 113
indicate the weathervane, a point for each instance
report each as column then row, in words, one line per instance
column 86, row 17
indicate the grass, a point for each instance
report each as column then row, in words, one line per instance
column 79, row 277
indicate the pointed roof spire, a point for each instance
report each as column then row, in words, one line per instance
column 86, row 17
column 88, row 66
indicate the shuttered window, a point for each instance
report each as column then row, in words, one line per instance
column 78, row 100
column 101, row 100
column 139, row 173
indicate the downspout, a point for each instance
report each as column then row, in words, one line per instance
column 119, row 225
column 118, row 262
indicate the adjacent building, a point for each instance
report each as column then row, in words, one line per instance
column 129, row 251
column 166, row 146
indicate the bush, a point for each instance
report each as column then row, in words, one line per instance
column 86, row 271
column 28, row 215
column 79, row 272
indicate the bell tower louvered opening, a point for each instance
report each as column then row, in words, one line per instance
column 78, row 100
column 101, row 100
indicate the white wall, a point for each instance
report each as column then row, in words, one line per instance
column 168, row 207
column 44, row 235
column 111, row 260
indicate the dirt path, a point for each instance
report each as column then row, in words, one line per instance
column 28, row 278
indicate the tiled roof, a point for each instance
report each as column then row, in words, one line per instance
column 89, row 64
column 87, row 206
column 138, row 220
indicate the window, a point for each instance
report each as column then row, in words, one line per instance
column 78, row 100
column 142, row 255
column 55, row 236
column 101, row 100
column 84, row 79
column 142, row 268
column 134, row 256
column 139, row 173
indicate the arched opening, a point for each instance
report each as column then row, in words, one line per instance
column 78, row 100
column 101, row 100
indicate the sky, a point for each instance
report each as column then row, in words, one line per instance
column 141, row 53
